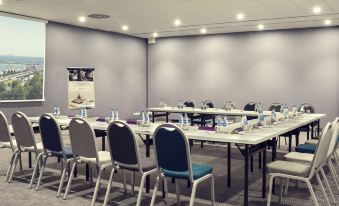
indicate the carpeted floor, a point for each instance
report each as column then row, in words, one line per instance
column 17, row 192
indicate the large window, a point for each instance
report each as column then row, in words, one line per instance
column 22, row 59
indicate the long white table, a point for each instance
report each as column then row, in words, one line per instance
column 253, row 140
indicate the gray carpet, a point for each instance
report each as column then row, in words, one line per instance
column 17, row 192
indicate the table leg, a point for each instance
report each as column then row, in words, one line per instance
column 87, row 172
column 29, row 160
column 153, row 113
column 147, row 155
column 167, row 114
column 297, row 138
column 103, row 143
column 308, row 132
column 259, row 160
column 246, row 154
column 318, row 129
column 228, row 164
column 251, row 163
column 263, row 195
column 312, row 130
column 274, row 149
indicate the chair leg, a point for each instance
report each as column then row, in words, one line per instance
column 194, row 189
column 165, row 187
column 269, row 197
column 97, row 187
column 312, row 192
column 13, row 167
column 155, row 190
column 10, row 165
column 62, row 177
column 212, row 191
column 142, row 183
column 20, row 162
column 108, row 191
column 286, row 186
column 70, row 180
column 41, row 173
column 334, row 174
column 132, row 182
column 327, row 184
column 282, row 181
column 322, row 189
column 177, row 189
column 124, row 177
column 36, row 168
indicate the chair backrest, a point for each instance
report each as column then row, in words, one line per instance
column 232, row 104
column 275, row 106
column 50, row 134
column 334, row 138
column 307, row 106
column 189, row 103
column 82, row 139
column 250, row 107
column 23, row 130
column 209, row 103
column 5, row 135
column 320, row 154
column 122, row 144
column 172, row 149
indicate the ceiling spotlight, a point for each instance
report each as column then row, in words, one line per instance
column 124, row 27
column 0, row 2
column 203, row 31
column 240, row 16
column 328, row 22
column 155, row 34
column 82, row 19
column 316, row 10
column 260, row 27
column 177, row 22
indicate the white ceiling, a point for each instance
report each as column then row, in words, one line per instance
column 147, row 16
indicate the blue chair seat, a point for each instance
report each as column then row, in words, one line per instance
column 68, row 152
column 199, row 170
column 306, row 148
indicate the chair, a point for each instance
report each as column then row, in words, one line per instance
column 312, row 125
column 85, row 151
column 307, row 158
column 301, row 171
column 275, row 106
column 231, row 119
column 195, row 119
column 316, row 141
column 125, row 156
column 25, row 139
column 53, row 147
column 250, row 107
column 207, row 117
column 173, row 160
column 6, row 141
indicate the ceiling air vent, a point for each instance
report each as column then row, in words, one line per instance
column 98, row 16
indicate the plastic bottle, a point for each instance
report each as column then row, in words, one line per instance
column 116, row 115
column 111, row 115
column 225, row 122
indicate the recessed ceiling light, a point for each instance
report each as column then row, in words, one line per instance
column 316, row 9
column 155, row 34
column 328, row 22
column 177, row 22
column 240, row 16
column 124, row 27
column 0, row 2
column 260, row 27
column 82, row 19
column 203, row 31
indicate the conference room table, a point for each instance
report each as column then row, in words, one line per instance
column 252, row 141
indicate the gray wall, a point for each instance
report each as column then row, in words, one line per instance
column 292, row 66
column 120, row 70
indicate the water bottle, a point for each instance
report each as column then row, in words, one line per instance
column 186, row 119
column 111, row 115
column 181, row 120
column 273, row 115
column 116, row 115
column 244, row 122
column 81, row 112
column 302, row 109
column 219, row 121
column 58, row 111
column 143, row 118
column 286, row 112
column 147, row 119
column 225, row 122
column 259, row 107
column 294, row 110
column 85, row 112
column 256, row 107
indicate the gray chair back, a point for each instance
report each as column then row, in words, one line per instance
column 23, row 130
column 321, row 152
column 5, row 135
column 122, row 144
column 82, row 139
column 334, row 138
column 276, row 107
column 307, row 106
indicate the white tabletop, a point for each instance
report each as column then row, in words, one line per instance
column 253, row 136
column 214, row 111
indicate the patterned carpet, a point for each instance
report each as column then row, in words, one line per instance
column 17, row 192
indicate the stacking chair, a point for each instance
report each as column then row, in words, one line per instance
column 173, row 160
column 301, row 171
column 5, row 140
column 316, row 141
column 53, row 147
column 125, row 156
column 307, row 158
column 25, row 139
column 85, row 151
column 250, row 107
column 311, row 126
